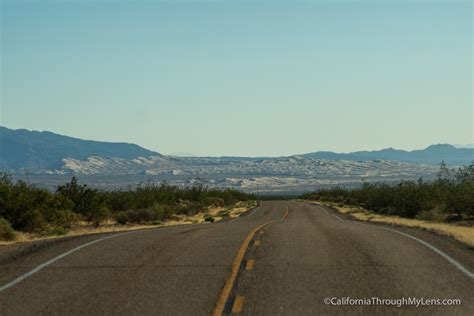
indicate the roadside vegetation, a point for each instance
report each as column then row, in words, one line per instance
column 449, row 198
column 445, row 206
column 27, row 209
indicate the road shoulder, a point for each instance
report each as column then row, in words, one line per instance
column 463, row 234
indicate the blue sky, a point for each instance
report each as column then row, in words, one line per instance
column 241, row 77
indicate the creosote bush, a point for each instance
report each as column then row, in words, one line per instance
column 6, row 231
column 449, row 198
column 209, row 218
column 29, row 209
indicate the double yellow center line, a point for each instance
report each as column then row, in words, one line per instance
column 229, row 284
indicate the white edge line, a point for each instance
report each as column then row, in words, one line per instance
column 454, row 262
column 322, row 209
column 433, row 248
column 53, row 260
column 253, row 212
column 340, row 219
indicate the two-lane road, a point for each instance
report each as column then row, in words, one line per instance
column 284, row 258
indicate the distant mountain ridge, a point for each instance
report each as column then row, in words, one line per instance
column 47, row 151
column 431, row 155
column 464, row 145
column 22, row 148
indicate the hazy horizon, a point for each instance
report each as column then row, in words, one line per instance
column 219, row 78
column 188, row 154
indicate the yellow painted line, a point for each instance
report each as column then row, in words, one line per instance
column 257, row 242
column 229, row 283
column 238, row 305
column 249, row 265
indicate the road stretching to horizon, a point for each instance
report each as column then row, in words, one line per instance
column 284, row 258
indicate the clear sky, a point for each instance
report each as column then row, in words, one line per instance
column 241, row 77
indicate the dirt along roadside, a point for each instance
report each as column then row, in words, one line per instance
column 462, row 232
column 208, row 215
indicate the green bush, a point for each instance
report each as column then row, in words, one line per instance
column 162, row 212
column 36, row 210
column 126, row 217
column 451, row 194
column 214, row 201
column 143, row 216
column 33, row 221
column 453, row 218
column 6, row 231
column 62, row 218
column 209, row 218
column 434, row 215
column 122, row 217
column 86, row 201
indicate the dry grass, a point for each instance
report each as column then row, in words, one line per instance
column 79, row 230
column 231, row 212
column 461, row 233
column 109, row 226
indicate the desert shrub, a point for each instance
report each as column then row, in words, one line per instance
column 6, row 231
column 62, row 217
column 125, row 217
column 86, row 201
column 214, row 201
column 453, row 218
column 209, row 218
column 451, row 194
column 162, row 211
column 121, row 217
column 156, row 214
column 33, row 221
column 189, row 208
column 433, row 215
column 36, row 210
column 462, row 199
column 144, row 216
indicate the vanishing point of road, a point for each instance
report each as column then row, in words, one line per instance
column 283, row 258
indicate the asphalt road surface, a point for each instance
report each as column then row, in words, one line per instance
column 284, row 258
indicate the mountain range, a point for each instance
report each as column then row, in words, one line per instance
column 48, row 159
column 22, row 148
column 431, row 155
